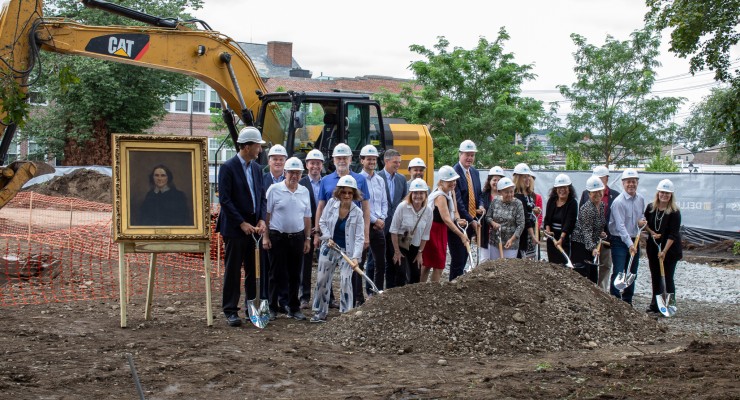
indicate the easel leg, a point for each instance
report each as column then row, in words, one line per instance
column 150, row 286
column 207, row 264
column 122, row 273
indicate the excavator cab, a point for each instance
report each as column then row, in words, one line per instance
column 321, row 120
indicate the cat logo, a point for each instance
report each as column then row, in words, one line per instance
column 132, row 46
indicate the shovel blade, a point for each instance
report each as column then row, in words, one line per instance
column 619, row 282
column 662, row 305
column 672, row 308
column 259, row 313
column 629, row 279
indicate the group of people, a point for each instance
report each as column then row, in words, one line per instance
column 400, row 230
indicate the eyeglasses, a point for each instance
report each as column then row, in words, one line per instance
column 347, row 193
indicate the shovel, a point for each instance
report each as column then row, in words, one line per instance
column 467, row 244
column 354, row 266
column 258, row 314
column 560, row 248
column 477, row 238
column 664, row 300
column 625, row 278
column 500, row 245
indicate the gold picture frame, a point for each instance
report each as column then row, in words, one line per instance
column 160, row 188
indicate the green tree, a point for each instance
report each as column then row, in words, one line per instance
column 471, row 94
column 90, row 99
column 661, row 163
column 613, row 118
column 714, row 120
column 574, row 161
column 707, row 31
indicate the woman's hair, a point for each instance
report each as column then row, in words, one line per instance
column 407, row 199
column 519, row 186
column 487, row 186
column 356, row 197
column 170, row 177
column 571, row 192
column 672, row 206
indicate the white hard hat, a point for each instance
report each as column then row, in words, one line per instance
column 342, row 150
column 293, row 164
column 601, row 171
column 562, row 180
column 250, row 134
column 594, row 183
column 418, row 185
column 665, row 186
column 522, row 169
column 417, row 162
column 504, row 183
column 277, row 150
column 496, row 171
column 315, row 155
column 467, row 146
column 630, row 173
column 347, row 181
column 368, row 150
column 447, row 173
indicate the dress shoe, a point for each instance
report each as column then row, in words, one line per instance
column 305, row 305
column 297, row 315
column 233, row 320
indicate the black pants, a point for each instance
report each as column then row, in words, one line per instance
column 238, row 253
column 395, row 275
column 409, row 265
column 305, row 288
column 378, row 252
column 669, row 266
column 553, row 254
column 458, row 252
column 286, row 261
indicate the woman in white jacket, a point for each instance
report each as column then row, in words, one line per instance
column 342, row 223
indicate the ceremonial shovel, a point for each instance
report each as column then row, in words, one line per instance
column 626, row 277
column 259, row 315
column 354, row 266
column 664, row 300
column 559, row 247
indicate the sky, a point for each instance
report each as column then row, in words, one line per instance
column 348, row 39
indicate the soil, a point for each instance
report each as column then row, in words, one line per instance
column 507, row 330
column 81, row 183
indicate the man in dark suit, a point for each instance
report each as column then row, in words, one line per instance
column 243, row 206
column 469, row 204
column 605, row 254
column 312, row 182
column 396, row 189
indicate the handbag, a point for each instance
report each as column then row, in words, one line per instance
column 404, row 241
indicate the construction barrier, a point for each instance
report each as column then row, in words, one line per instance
column 59, row 249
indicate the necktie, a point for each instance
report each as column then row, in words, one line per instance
column 471, row 195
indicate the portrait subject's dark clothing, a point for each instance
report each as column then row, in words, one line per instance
column 165, row 208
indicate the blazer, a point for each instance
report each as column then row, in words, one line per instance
column 569, row 219
column 612, row 196
column 306, row 182
column 399, row 193
column 484, row 227
column 232, row 193
column 462, row 192
column 354, row 231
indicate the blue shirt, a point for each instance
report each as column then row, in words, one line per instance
column 250, row 180
column 626, row 212
column 329, row 183
column 378, row 199
column 390, row 183
column 339, row 233
column 316, row 186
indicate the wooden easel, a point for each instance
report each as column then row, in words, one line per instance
column 155, row 248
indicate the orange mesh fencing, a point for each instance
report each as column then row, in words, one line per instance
column 60, row 249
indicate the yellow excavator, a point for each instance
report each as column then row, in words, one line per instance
column 300, row 121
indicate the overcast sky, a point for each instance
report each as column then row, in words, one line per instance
column 349, row 39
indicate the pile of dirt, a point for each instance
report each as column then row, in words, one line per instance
column 722, row 246
column 81, row 183
column 509, row 307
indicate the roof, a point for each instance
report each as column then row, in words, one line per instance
column 258, row 54
column 363, row 84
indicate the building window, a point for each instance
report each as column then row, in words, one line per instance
column 226, row 152
column 181, row 102
column 199, row 98
column 215, row 100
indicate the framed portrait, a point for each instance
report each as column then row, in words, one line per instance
column 160, row 188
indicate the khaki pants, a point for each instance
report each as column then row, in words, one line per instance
column 605, row 268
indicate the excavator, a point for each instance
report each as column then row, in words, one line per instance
column 300, row 121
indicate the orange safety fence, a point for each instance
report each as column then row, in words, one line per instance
column 60, row 249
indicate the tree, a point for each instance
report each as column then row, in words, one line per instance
column 715, row 120
column 707, row 31
column 471, row 94
column 613, row 118
column 90, row 99
column 661, row 163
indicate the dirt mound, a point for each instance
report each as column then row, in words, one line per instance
column 502, row 307
column 722, row 246
column 81, row 183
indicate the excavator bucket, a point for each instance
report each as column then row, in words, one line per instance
column 13, row 177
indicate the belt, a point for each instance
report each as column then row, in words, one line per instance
column 285, row 235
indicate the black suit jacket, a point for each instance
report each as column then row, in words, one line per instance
column 462, row 193
column 306, row 182
column 232, row 193
column 612, row 196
